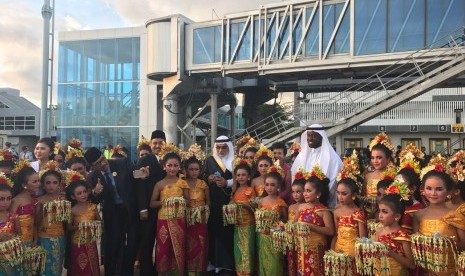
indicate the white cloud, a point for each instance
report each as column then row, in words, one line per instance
column 21, row 29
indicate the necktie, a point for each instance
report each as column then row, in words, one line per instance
column 108, row 179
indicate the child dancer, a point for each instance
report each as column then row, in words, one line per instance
column 298, row 197
column 314, row 224
column 53, row 211
column 26, row 185
column 244, row 229
column 7, row 230
column 439, row 217
column 381, row 156
column 349, row 219
column 271, row 210
column 84, row 227
column 198, row 212
column 263, row 161
column 391, row 208
column 170, row 195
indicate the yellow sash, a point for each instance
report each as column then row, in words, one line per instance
column 220, row 164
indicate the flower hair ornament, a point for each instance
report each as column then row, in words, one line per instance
column 6, row 155
column 50, row 166
column 295, row 148
column 75, row 143
column 398, row 187
column 276, row 168
column 194, row 151
column 389, row 173
column 4, row 180
column 317, row 172
column 437, row 163
column 351, row 169
column 263, row 151
column 410, row 164
column 118, row 152
column 72, row 176
column 57, row 148
column 457, row 157
column 301, row 174
column 143, row 141
column 20, row 165
column 382, row 139
column 411, row 152
column 239, row 161
column 242, row 141
column 169, row 148
column 73, row 152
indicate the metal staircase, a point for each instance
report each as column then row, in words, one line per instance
column 408, row 78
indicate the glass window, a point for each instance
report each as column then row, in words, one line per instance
column 439, row 145
column 406, row 25
column 311, row 41
column 243, row 52
column 207, row 45
column 443, row 17
column 370, row 27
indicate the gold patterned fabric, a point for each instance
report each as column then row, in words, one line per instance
column 171, row 191
column 347, row 232
column 394, row 242
column 88, row 215
column 441, row 226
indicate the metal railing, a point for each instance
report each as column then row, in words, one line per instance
column 416, row 68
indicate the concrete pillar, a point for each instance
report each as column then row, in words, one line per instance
column 214, row 116
column 170, row 118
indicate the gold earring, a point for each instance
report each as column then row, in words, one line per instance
column 449, row 196
column 353, row 198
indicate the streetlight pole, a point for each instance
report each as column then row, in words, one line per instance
column 46, row 15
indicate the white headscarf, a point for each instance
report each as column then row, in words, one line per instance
column 329, row 160
column 228, row 158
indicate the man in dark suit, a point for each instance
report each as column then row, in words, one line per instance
column 148, row 216
column 119, row 210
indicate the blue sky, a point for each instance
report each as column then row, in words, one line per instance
column 21, row 28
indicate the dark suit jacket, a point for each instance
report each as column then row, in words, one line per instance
column 124, row 183
column 145, row 186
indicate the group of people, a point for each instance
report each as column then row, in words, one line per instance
column 243, row 210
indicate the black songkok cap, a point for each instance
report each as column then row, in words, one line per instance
column 92, row 154
column 158, row 134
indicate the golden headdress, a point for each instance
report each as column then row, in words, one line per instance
column 143, row 141
column 5, row 180
column 317, row 172
column 408, row 158
column 389, row 173
column 168, row 148
column 276, row 168
column 263, row 151
column 351, row 169
column 75, row 143
column 241, row 142
column 437, row 163
column 20, row 165
column 251, row 143
column 411, row 152
column 295, row 148
column 458, row 163
column 382, row 139
column 118, row 151
column 301, row 174
column 57, row 148
column 457, row 157
column 73, row 152
column 72, row 176
column 194, row 151
column 5, row 155
column 50, row 166
column 239, row 161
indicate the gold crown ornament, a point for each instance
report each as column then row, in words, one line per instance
column 20, row 165
column 263, row 151
column 194, row 151
column 350, row 169
column 169, row 148
column 382, row 139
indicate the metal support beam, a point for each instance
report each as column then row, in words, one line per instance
column 214, row 116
